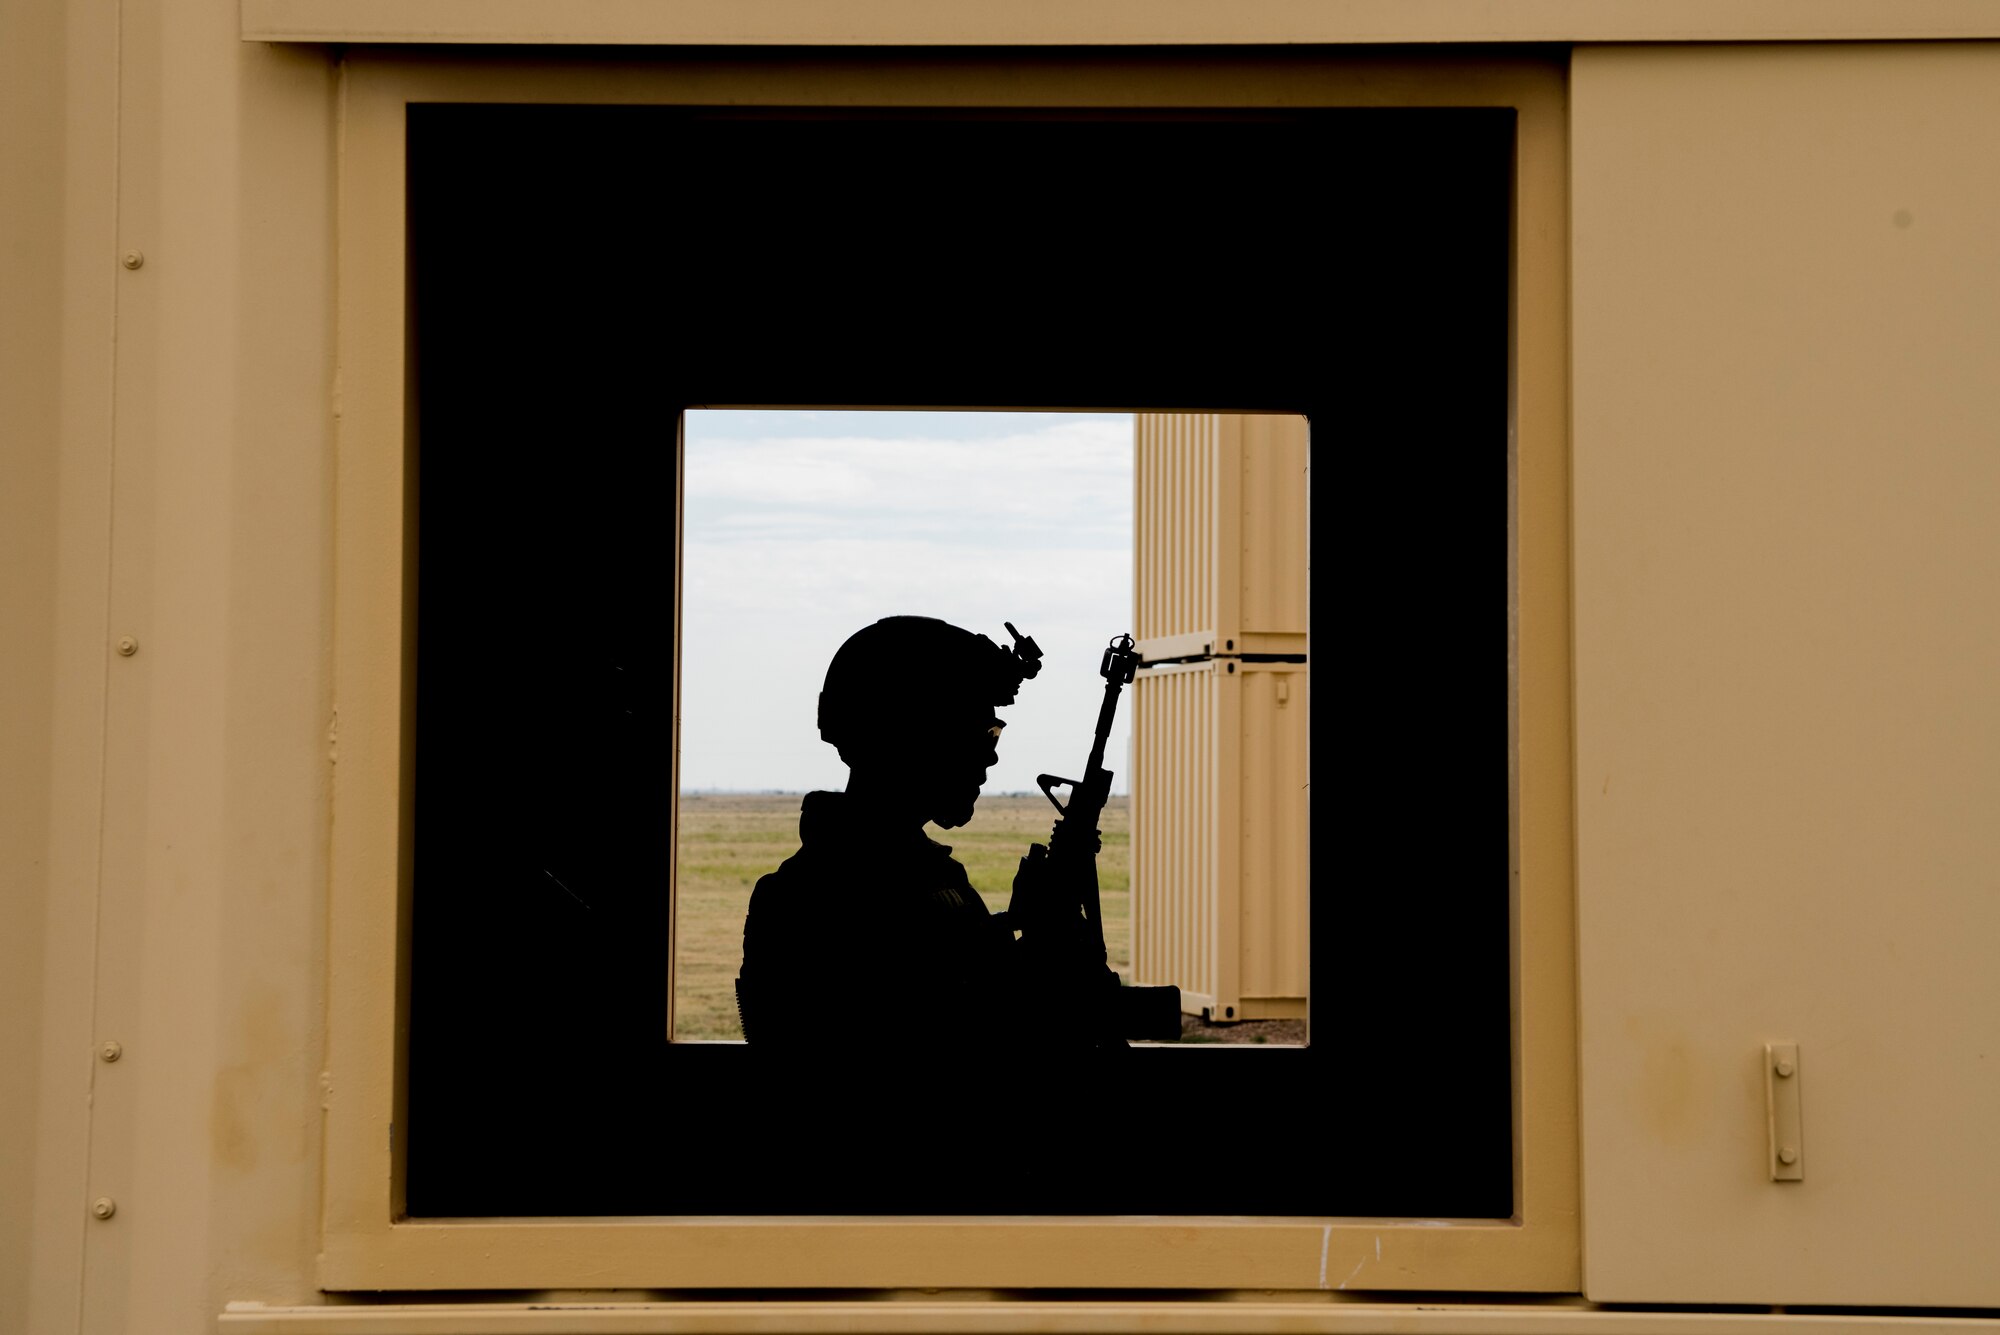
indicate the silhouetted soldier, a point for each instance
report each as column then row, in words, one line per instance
column 872, row 922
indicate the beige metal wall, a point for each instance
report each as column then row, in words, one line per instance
column 1219, row 531
column 1219, row 838
column 166, row 453
column 995, row 23
column 1268, row 584
column 1787, row 477
column 1784, row 654
column 1274, row 848
column 1179, row 932
column 31, row 249
column 1175, row 465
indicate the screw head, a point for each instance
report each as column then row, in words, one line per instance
column 1788, row 1155
column 132, row 259
column 1784, row 1068
column 104, row 1207
column 127, row 646
column 110, row 1050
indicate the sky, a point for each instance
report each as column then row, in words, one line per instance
column 801, row 527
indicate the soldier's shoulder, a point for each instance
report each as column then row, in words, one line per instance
column 780, row 886
column 796, row 889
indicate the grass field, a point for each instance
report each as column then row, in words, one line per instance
column 728, row 841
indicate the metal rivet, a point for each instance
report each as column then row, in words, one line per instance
column 110, row 1050
column 1788, row 1155
column 104, row 1207
column 133, row 259
column 127, row 645
column 1785, row 1068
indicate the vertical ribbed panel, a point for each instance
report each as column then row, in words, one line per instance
column 1219, row 799
column 1220, row 843
column 1174, row 907
column 1271, row 593
column 1174, row 466
column 1273, row 861
column 1220, row 525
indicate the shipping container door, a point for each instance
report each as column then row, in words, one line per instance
column 1219, row 769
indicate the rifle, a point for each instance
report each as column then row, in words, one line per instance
column 1065, row 872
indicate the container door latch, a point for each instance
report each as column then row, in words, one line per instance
column 1781, row 1105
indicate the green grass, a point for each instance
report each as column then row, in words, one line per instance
column 728, row 841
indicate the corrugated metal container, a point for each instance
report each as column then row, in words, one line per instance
column 1219, row 841
column 1219, row 765
column 1220, row 525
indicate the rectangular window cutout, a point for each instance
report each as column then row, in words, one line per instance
column 800, row 528
column 582, row 276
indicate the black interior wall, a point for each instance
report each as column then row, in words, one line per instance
column 580, row 275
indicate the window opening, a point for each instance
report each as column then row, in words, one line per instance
column 580, row 276
column 800, row 527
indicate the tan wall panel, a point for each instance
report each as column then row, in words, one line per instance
column 1090, row 22
column 31, row 148
column 187, row 788
column 1220, row 532
column 1219, row 836
column 184, row 783
column 1272, row 579
column 1174, row 478
column 1787, row 323
column 209, row 964
column 75, row 775
column 1275, row 850
column 1175, row 910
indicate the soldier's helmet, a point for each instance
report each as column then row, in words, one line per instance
column 905, row 673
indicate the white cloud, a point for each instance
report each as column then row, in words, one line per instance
column 1069, row 475
column 787, row 576
column 794, row 540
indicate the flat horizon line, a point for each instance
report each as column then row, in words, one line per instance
column 801, row 792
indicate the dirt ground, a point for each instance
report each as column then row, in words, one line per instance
column 1194, row 1029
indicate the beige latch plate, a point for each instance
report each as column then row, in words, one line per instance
column 1781, row 1103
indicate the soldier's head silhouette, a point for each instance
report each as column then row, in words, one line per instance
column 909, row 703
column 873, row 911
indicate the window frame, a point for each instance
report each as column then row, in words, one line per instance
column 369, row 1244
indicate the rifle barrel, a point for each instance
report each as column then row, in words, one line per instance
column 1105, row 713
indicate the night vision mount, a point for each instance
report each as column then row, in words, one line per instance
column 1023, row 661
